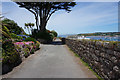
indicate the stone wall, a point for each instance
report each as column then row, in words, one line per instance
column 102, row 57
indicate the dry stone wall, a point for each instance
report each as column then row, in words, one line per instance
column 103, row 57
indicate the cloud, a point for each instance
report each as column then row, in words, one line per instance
column 21, row 16
column 85, row 17
column 96, row 0
column 75, row 0
column 94, row 14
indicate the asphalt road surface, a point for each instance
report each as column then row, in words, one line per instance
column 51, row 61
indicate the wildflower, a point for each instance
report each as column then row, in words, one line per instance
column 34, row 47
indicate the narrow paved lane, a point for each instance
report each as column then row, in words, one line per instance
column 51, row 61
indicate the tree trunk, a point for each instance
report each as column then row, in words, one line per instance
column 37, row 23
column 42, row 28
column 43, row 24
column 36, row 18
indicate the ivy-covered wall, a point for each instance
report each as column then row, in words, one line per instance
column 102, row 56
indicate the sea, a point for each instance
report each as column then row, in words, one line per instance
column 65, row 36
column 104, row 38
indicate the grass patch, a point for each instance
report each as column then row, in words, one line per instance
column 76, row 55
column 86, row 64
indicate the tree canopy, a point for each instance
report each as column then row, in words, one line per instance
column 43, row 10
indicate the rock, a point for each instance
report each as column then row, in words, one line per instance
column 104, row 57
column 115, row 68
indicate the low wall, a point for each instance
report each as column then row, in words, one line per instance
column 103, row 57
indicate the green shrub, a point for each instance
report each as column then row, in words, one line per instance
column 12, row 26
column 5, row 32
column 8, row 45
column 19, row 37
column 26, row 52
column 54, row 33
column 46, row 35
column 37, row 46
column 9, row 53
column 32, row 51
column 5, row 29
column 15, row 36
column 24, row 37
column 37, row 42
column 30, row 39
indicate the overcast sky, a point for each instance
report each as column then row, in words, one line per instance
column 85, row 17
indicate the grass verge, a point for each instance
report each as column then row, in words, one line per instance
column 86, row 64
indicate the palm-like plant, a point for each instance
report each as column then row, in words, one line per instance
column 29, row 26
column 32, row 25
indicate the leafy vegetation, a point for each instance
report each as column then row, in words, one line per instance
column 54, row 33
column 13, row 50
column 14, row 36
column 29, row 26
column 46, row 35
column 12, row 26
column 9, row 53
column 30, row 39
column 32, row 51
column 5, row 32
column 26, row 52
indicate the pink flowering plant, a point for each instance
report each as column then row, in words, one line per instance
column 30, row 46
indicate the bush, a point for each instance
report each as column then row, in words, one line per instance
column 26, row 52
column 37, row 42
column 12, row 26
column 8, row 45
column 37, row 46
column 5, row 29
column 54, row 33
column 30, row 39
column 32, row 51
column 5, row 32
column 42, row 35
column 19, row 37
column 9, row 53
column 15, row 36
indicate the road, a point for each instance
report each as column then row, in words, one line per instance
column 51, row 61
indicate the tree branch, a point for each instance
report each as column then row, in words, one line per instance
column 50, row 14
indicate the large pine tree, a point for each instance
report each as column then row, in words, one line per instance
column 43, row 10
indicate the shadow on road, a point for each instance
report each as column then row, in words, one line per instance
column 57, row 43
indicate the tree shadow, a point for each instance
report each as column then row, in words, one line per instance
column 54, row 43
column 57, row 43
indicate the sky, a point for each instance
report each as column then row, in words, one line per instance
column 85, row 17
